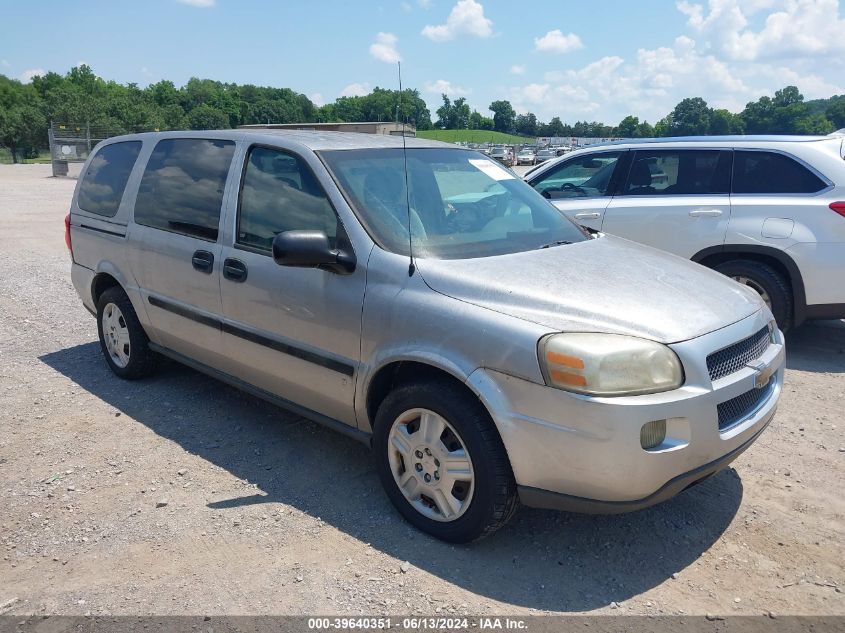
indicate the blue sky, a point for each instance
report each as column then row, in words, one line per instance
column 596, row 60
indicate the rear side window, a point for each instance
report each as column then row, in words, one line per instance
column 105, row 179
column 769, row 172
column 679, row 172
column 181, row 190
column 580, row 177
column 280, row 193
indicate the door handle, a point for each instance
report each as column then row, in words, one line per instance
column 588, row 215
column 203, row 261
column 705, row 213
column 234, row 269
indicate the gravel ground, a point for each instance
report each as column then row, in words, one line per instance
column 179, row 495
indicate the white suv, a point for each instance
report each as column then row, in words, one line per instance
column 767, row 211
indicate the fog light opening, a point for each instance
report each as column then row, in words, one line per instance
column 653, row 434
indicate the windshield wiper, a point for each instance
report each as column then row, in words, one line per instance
column 557, row 243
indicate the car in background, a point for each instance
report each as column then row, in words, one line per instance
column 767, row 211
column 526, row 157
column 502, row 154
column 545, row 154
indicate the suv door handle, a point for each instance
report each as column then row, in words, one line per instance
column 588, row 215
column 234, row 269
column 705, row 213
column 203, row 261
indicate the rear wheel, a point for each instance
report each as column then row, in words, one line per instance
column 767, row 282
column 122, row 338
column 442, row 462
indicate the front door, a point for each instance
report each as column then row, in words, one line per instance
column 294, row 332
column 675, row 200
column 174, row 246
column 581, row 186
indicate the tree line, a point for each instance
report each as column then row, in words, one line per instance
column 785, row 113
column 80, row 97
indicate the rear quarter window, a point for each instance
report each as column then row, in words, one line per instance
column 105, row 179
column 772, row 173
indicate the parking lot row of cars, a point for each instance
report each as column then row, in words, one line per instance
column 512, row 155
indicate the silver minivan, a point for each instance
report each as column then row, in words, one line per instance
column 420, row 298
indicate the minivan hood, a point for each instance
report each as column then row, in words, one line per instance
column 606, row 284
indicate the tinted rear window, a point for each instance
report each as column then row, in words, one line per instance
column 182, row 187
column 105, row 179
column 679, row 172
column 768, row 172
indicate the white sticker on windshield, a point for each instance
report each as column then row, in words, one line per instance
column 495, row 171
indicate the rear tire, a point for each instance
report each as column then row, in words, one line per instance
column 768, row 282
column 123, row 341
column 466, row 471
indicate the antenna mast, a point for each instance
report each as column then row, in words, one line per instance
column 411, row 266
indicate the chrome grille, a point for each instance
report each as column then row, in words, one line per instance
column 734, row 357
column 737, row 409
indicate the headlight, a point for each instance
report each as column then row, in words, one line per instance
column 608, row 364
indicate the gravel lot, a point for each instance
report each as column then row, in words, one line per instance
column 179, row 495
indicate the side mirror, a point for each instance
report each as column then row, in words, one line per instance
column 310, row 249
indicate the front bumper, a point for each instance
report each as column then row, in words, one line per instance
column 583, row 453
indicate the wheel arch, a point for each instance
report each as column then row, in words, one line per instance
column 101, row 282
column 774, row 257
column 402, row 371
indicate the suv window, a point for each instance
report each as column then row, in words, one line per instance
column 769, row 172
column 105, row 179
column 580, row 177
column 677, row 172
column 280, row 193
column 181, row 190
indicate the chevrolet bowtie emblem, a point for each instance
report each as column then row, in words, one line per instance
column 764, row 373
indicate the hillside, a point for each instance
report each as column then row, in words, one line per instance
column 473, row 136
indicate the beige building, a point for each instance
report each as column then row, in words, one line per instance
column 369, row 127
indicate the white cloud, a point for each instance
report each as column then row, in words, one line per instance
column 5, row 63
column 356, row 90
column 516, row 69
column 441, row 86
column 798, row 28
column 202, row 4
column 466, row 18
column 406, row 7
column 729, row 52
column 384, row 48
column 27, row 75
column 425, row 4
column 317, row 99
column 556, row 42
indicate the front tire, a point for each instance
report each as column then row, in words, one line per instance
column 767, row 282
column 442, row 462
column 123, row 341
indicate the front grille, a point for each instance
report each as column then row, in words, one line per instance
column 734, row 357
column 737, row 409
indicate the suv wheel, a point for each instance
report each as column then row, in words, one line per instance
column 767, row 282
column 442, row 462
column 124, row 343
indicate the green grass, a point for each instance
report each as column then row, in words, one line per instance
column 6, row 157
column 473, row 136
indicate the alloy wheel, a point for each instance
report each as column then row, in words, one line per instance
column 431, row 465
column 116, row 335
column 747, row 281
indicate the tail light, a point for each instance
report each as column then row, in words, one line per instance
column 839, row 207
column 67, row 234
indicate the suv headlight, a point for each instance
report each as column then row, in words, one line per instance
column 608, row 364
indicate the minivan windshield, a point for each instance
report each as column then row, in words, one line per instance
column 462, row 204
